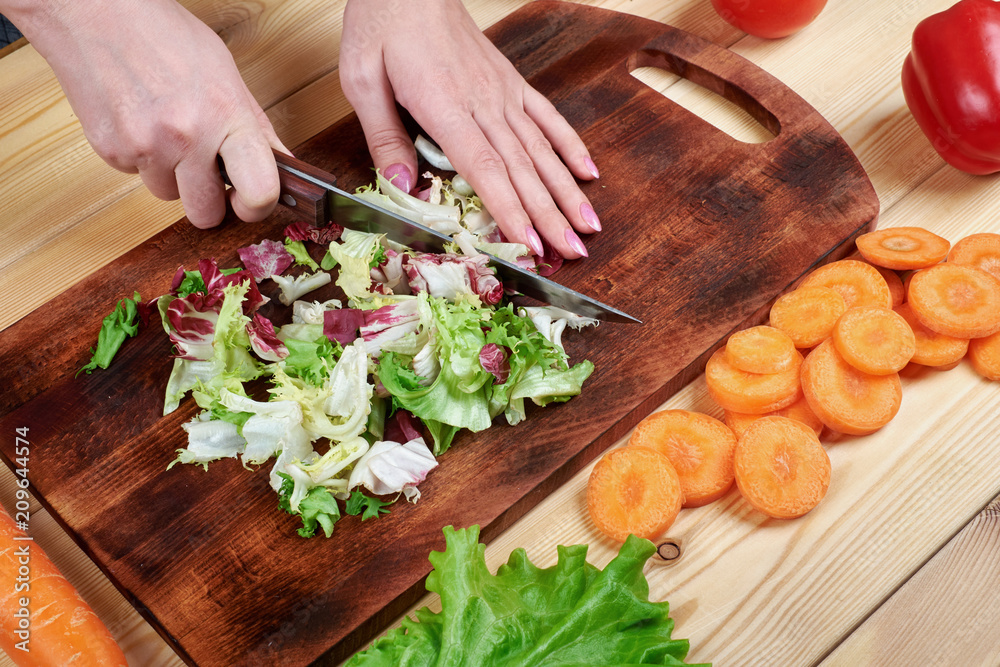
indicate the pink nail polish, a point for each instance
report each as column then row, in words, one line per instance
column 534, row 242
column 575, row 243
column 400, row 176
column 590, row 216
column 591, row 167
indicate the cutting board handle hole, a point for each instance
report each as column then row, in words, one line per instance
column 711, row 107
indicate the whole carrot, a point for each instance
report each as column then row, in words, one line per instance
column 43, row 620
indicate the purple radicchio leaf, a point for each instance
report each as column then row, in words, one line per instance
column 303, row 231
column 263, row 339
column 342, row 324
column 192, row 324
column 388, row 323
column 265, row 259
column 493, row 358
column 449, row 276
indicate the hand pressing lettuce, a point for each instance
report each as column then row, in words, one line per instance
column 569, row 614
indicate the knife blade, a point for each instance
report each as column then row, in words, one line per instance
column 312, row 194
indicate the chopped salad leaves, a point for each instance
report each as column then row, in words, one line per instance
column 569, row 614
column 339, row 400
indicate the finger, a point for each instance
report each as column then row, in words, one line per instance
column 566, row 142
column 545, row 216
column 160, row 180
column 554, row 175
column 388, row 142
column 253, row 173
column 475, row 158
column 202, row 191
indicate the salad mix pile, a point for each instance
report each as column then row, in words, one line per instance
column 421, row 343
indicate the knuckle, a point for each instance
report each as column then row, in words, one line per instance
column 387, row 140
column 537, row 144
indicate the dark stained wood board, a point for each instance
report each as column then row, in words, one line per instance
column 701, row 233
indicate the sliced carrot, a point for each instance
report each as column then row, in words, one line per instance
column 634, row 490
column 60, row 629
column 979, row 250
column 760, row 349
column 700, row 448
column 845, row 399
column 932, row 348
column 799, row 411
column 781, row 468
column 874, row 340
column 956, row 300
column 753, row 393
column 895, row 283
column 903, row 248
column 984, row 353
column 807, row 314
column 858, row 282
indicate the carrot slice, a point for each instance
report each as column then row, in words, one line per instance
column 760, row 349
column 859, row 283
column 984, row 353
column 895, row 283
column 845, row 399
column 781, row 467
column 634, row 490
column 807, row 314
column 754, row 393
column 979, row 250
column 874, row 340
column 799, row 411
column 932, row 348
column 903, row 248
column 956, row 300
column 62, row 629
column 700, row 448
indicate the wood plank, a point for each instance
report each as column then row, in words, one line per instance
column 762, row 216
column 907, row 630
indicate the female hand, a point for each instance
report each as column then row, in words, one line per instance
column 158, row 93
column 501, row 135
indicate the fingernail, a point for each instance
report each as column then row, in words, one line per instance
column 534, row 241
column 591, row 167
column 575, row 243
column 399, row 175
column 590, row 216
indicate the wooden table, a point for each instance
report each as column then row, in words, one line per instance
column 898, row 566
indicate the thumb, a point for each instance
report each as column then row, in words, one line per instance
column 390, row 146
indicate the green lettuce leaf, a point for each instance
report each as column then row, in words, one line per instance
column 366, row 506
column 318, row 509
column 443, row 401
column 297, row 249
column 119, row 324
column 311, row 360
column 569, row 614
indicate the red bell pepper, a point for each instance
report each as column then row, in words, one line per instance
column 951, row 82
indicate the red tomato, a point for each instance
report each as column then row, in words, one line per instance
column 769, row 18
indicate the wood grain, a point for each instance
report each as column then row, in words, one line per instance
column 846, row 64
column 769, row 212
column 964, row 574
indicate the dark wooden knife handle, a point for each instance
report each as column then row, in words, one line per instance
column 305, row 199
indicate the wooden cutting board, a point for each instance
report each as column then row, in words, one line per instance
column 702, row 232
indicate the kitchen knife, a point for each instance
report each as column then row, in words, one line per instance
column 312, row 195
